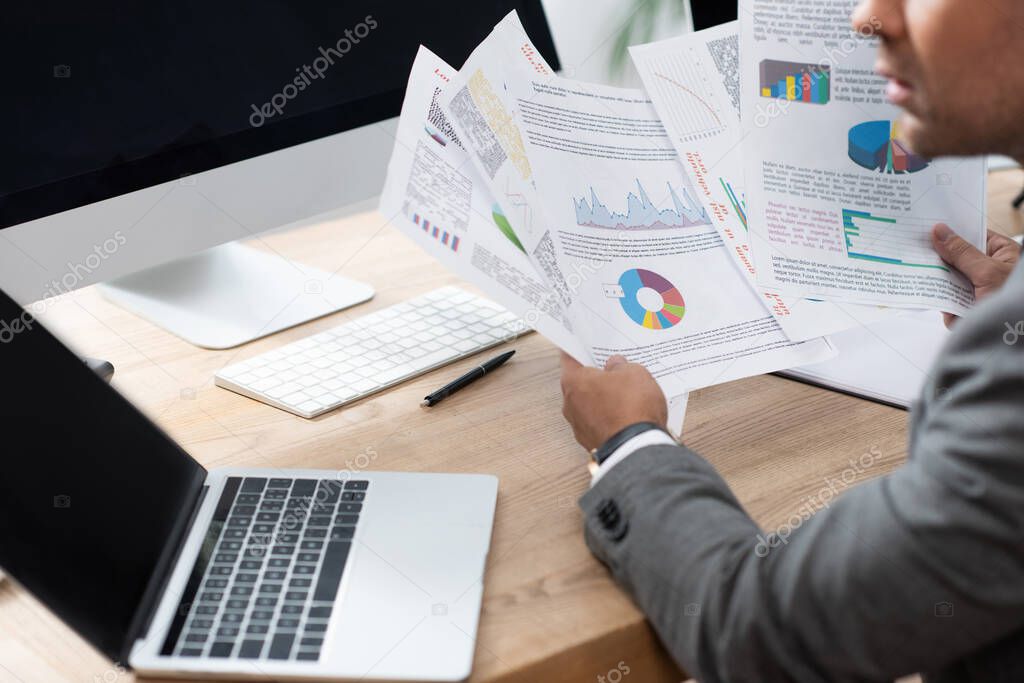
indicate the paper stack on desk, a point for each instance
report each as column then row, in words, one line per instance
column 612, row 229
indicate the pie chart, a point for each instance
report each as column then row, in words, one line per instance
column 876, row 146
column 650, row 300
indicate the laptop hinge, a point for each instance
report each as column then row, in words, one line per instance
column 150, row 601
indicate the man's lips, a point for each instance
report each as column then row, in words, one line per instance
column 897, row 90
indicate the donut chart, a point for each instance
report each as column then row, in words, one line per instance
column 673, row 307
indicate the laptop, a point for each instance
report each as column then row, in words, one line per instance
column 174, row 570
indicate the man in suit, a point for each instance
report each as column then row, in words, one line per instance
column 919, row 571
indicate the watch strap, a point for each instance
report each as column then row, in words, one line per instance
column 605, row 450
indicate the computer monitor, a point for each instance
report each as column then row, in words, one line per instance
column 708, row 13
column 137, row 135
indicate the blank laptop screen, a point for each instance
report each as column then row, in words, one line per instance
column 91, row 493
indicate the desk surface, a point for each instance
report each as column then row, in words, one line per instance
column 550, row 611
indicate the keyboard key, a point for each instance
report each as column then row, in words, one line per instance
column 283, row 550
column 221, row 571
column 350, row 507
column 195, row 638
column 332, row 569
column 266, row 601
column 241, row 591
column 250, row 564
column 300, row 583
column 232, row 618
column 304, row 570
column 231, row 631
column 250, row 649
column 279, row 561
column 275, row 575
column 258, row 629
column 280, row 484
column 311, row 545
column 352, row 496
column 308, row 557
column 216, row 583
column 253, row 485
column 211, row 596
column 292, row 609
column 308, row 656
column 312, row 642
column 269, row 516
column 247, row 499
column 303, row 487
column 319, row 521
column 270, row 589
column 316, row 532
column 190, row 652
column 342, row 533
column 281, row 646
column 244, row 510
column 316, row 628
column 320, row 613
column 206, row 609
column 296, row 595
column 236, row 604
column 288, row 623
column 221, row 649
column 346, row 519
column 262, row 615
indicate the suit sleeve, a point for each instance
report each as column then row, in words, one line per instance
column 901, row 574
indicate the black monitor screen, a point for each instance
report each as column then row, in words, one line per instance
column 93, row 497
column 108, row 97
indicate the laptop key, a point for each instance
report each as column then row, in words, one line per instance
column 275, row 575
column 247, row 499
column 279, row 561
column 281, row 645
column 190, row 652
column 311, row 545
column 346, row 519
column 221, row 649
column 266, row 601
column 316, row 628
column 263, row 615
column 350, row 507
column 236, row 604
column 300, row 583
column 308, row 656
column 303, row 487
column 320, row 613
column 195, row 638
column 287, row 623
column 259, row 629
column 253, row 484
column 292, row 609
column 359, row 485
column 280, row 484
column 230, row 631
column 250, row 564
column 342, row 533
column 316, row 532
column 250, row 649
column 330, row 574
column 309, row 641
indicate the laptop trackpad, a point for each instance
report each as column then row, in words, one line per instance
column 412, row 588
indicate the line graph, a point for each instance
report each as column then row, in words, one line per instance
column 686, row 83
column 641, row 213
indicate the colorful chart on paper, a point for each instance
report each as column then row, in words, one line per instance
column 672, row 309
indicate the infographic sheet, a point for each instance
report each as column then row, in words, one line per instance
column 648, row 274
column 694, row 83
column 839, row 205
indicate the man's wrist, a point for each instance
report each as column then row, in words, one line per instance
column 630, row 440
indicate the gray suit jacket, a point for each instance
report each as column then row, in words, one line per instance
column 918, row 571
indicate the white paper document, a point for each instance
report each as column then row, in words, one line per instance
column 435, row 196
column 646, row 273
column 838, row 205
column 694, row 83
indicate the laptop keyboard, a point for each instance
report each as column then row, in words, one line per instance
column 265, row 582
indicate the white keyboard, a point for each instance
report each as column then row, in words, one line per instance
column 379, row 350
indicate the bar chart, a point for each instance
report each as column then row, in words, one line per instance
column 880, row 239
column 796, row 82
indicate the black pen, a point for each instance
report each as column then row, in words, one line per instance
column 467, row 379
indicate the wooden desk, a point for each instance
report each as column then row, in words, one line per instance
column 550, row 611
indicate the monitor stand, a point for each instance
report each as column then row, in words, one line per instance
column 232, row 294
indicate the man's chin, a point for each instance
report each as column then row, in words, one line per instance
column 923, row 138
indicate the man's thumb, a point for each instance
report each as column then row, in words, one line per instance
column 958, row 252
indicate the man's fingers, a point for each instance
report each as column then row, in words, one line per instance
column 959, row 253
column 615, row 361
column 949, row 319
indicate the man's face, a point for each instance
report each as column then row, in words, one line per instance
column 954, row 66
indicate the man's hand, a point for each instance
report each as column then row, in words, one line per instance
column 600, row 403
column 986, row 272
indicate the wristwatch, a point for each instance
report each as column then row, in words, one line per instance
column 605, row 450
